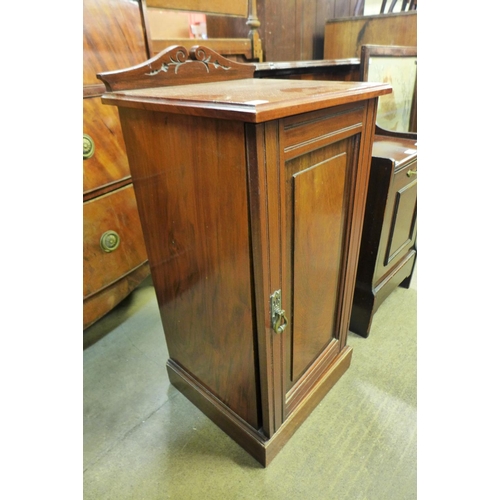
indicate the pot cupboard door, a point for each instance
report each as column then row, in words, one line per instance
column 319, row 161
column 304, row 185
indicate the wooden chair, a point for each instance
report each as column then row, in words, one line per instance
column 388, row 244
column 247, row 49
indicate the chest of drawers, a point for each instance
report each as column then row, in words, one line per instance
column 114, row 255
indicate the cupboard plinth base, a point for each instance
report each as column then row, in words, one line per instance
column 251, row 440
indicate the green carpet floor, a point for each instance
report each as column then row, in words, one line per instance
column 144, row 440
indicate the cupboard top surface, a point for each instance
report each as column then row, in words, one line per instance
column 251, row 100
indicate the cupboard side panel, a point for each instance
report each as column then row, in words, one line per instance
column 189, row 176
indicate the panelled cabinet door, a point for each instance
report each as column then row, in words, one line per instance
column 399, row 231
column 307, row 171
column 320, row 158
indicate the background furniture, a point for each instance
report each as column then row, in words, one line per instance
column 290, row 30
column 388, row 245
column 328, row 69
column 248, row 48
column 397, row 65
column 345, row 37
column 114, row 255
column 251, row 193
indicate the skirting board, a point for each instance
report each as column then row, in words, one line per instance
column 255, row 443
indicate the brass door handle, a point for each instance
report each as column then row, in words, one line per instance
column 88, row 147
column 110, row 240
column 410, row 173
column 279, row 327
column 278, row 319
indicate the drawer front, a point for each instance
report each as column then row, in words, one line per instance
column 107, row 162
column 102, row 131
column 105, row 220
column 400, row 221
column 97, row 305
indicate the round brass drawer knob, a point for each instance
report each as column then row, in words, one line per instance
column 88, row 147
column 110, row 240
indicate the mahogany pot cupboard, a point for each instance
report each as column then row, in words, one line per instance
column 251, row 195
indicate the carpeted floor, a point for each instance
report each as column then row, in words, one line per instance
column 144, row 440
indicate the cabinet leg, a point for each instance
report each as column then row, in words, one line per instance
column 406, row 282
column 362, row 313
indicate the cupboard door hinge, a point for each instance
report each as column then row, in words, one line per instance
column 278, row 318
